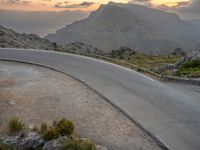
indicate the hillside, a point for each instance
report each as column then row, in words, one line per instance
column 138, row 27
column 12, row 39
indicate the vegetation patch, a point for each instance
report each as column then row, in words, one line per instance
column 15, row 125
column 78, row 144
column 190, row 69
column 58, row 135
column 65, row 127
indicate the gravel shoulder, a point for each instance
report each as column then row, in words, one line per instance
column 37, row 94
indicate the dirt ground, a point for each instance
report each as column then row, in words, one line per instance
column 36, row 94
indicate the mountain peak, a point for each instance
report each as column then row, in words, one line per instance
column 140, row 28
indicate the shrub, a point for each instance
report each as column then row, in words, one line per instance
column 15, row 125
column 50, row 134
column 78, row 144
column 190, row 68
column 43, row 128
column 72, row 144
column 65, row 127
column 87, row 145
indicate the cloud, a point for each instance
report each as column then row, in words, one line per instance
column 165, row 4
column 80, row 5
column 194, row 7
column 144, row 2
column 15, row 1
column 178, row 5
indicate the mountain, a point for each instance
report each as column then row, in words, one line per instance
column 196, row 23
column 137, row 27
column 12, row 39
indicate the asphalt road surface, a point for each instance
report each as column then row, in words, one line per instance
column 169, row 113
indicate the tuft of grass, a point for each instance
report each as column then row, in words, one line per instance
column 65, row 127
column 78, row 144
column 15, row 125
column 50, row 134
column 43, row 127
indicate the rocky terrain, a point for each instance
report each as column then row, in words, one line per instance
column 82, row 48
column 12, row 39
column 189, row 57
column 140, row 28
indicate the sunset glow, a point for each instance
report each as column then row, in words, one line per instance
column 82, row 5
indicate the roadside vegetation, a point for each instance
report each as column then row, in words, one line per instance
column 61, row 128
column 190, row 69
column 15, row 125
column 144, row 60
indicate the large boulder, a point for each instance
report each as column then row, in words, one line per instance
column 54, row 144
column 29, row 140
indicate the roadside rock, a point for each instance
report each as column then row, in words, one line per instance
column 100, row 147
column 33, row 140
column 190, row 56
column 54, row 144
column 30, row 140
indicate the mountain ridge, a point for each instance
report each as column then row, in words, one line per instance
column 138, row 27
column 11, row 39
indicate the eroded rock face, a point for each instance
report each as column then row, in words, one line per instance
column 33, row 140
column 29, row 140
column 54, row 144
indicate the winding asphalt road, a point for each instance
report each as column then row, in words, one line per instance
column 168, row 113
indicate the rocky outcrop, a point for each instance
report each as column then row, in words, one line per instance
column 29, row 140
column 33, row 140
column 82, row 48
column 12, row 39
column 189, row 57
column 54, row 144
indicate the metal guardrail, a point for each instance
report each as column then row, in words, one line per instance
column 122, row 63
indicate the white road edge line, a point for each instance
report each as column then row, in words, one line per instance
column 163, row 142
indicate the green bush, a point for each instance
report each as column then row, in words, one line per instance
column 71, row 144
column 192, row 64
column 65, row 127
column 87, row 145
column 15, row 125
column 190, row 69
column 78, row 144
column 50, row 134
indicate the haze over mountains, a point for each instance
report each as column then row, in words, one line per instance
column 138, row 27
column 40, row 23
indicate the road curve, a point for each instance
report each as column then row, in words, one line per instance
column 169, row 114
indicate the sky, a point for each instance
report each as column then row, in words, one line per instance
column 91, row 5
column 45, row 16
